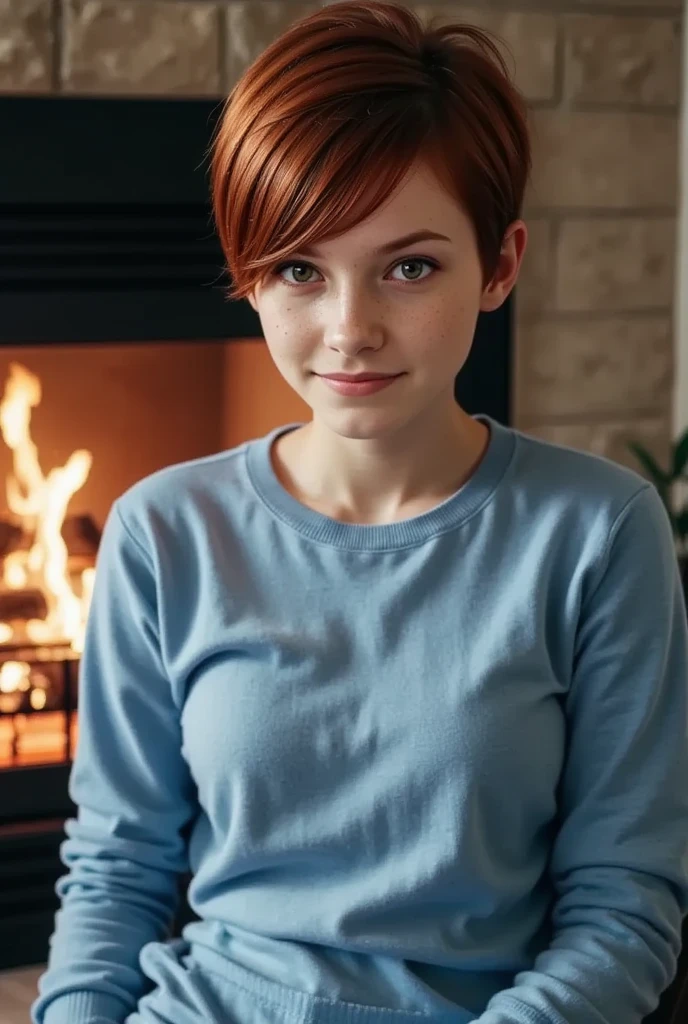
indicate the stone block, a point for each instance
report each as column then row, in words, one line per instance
column 657, row 6
column 156, row 47
column 616, row 264
column 623, row 59
column 593, row 369
column 26, row 46
column 604, row 160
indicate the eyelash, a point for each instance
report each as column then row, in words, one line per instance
column 407, row 259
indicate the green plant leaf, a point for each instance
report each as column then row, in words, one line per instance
column 681, row 524
column 660, row 477
column 680, row 454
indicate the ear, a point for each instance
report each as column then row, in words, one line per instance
column 510, row 260
column 252, row 299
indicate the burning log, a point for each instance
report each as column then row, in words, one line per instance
column 12, row 536
column 36, row 551
column 80, row 533
column 82, row 537
column 20, row 605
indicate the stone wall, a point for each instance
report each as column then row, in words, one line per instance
column 594, row 346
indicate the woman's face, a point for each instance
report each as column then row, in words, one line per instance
column 359, row 303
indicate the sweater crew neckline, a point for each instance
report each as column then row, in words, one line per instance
column 452, row 512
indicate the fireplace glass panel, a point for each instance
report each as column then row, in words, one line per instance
column 125, row 410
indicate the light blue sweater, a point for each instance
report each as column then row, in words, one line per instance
column 431, row 770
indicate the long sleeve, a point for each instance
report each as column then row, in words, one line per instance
column 620, row 859
column 125, row 850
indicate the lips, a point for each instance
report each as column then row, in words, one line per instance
column 359, row 378
column 360, row 388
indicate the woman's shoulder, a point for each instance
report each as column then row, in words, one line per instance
column 179, row 497
column 561, row 475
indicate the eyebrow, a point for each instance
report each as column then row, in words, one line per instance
column 398, row 243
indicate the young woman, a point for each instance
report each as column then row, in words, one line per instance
column 402, row 688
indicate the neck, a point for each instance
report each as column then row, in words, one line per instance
column 385, row 478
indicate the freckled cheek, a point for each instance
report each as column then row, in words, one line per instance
column 288, row 347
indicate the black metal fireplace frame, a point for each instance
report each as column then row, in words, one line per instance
column 106, row 236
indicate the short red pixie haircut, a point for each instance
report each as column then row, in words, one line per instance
column 327, row 121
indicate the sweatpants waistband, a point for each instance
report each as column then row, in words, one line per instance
column 297, row 1007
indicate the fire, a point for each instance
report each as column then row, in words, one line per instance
column 40, row 501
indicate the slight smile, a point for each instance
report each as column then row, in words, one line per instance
column 360, row 388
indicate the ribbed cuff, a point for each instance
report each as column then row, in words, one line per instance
column 85, row 1008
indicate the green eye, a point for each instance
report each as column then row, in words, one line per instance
column 417, row 263
column 298, row 267
column 300, row 270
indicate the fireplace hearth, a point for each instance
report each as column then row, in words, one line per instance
column 112, row 292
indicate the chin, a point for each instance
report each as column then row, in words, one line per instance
column 361, row 424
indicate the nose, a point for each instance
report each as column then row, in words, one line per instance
column 355, row 325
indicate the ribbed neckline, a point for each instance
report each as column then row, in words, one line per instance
column 452, row 512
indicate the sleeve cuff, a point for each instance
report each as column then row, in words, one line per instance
column 84, row 1008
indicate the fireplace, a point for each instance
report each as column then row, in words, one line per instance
column 119, row 354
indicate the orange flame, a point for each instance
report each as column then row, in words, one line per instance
column 41, row 503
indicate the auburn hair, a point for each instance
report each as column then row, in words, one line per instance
column 326, row 122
